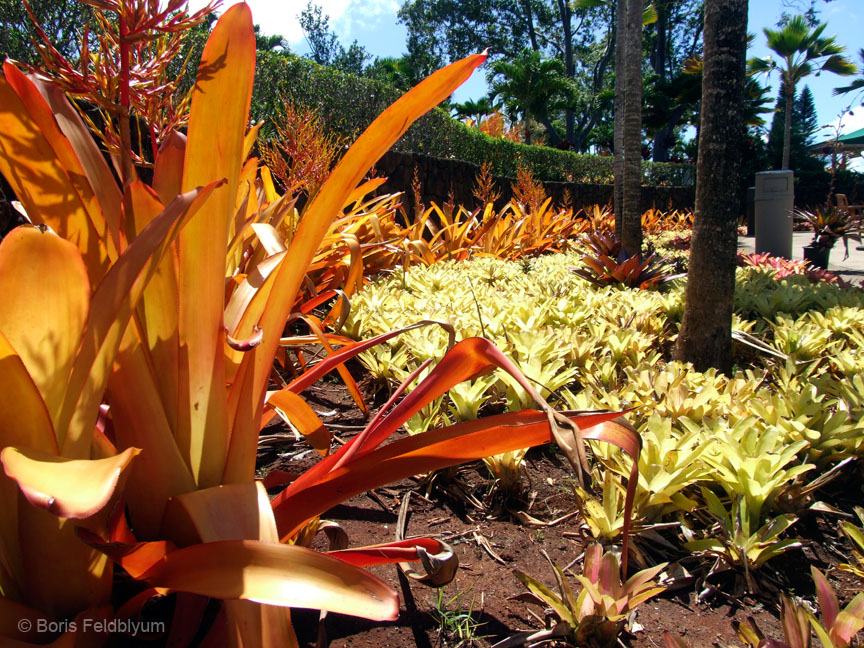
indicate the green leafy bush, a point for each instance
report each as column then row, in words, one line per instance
column 349, row 103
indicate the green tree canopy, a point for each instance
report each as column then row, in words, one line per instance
column 324, row 44
column 397, row 72
column 580, row 38
column 62, row 20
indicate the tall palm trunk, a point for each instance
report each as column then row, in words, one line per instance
column 706, row 332
column 566, row 13
column 789, row 90
column 618, row 164
column 631, row 198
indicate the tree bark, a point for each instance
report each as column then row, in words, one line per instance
column 662, row 138
column 658, row 60
column 787, row 126
column 705, row 338
column 529, row 19
column 618, row 164
column 631, row 195
column 569, row 64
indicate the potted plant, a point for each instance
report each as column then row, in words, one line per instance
column 829, row 224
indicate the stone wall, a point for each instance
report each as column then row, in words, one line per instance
column 438, row 176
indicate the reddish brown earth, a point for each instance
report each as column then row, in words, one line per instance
column 485, row 583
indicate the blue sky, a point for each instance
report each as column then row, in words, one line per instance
column 373, row 23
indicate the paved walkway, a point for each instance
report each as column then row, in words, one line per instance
column 851, row 269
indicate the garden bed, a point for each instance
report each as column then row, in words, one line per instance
column 701, row 613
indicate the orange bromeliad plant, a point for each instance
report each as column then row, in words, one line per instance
column 135, row 362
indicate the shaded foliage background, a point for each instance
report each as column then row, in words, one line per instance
column 349, row 103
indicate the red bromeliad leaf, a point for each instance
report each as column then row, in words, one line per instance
column 828, row 604
column 433, row 450
column 610, row 577
column 469, row 358
column 347, row 352
column 317, row 328
column 67, row 488
column 388, row 553
column 395, row 396
column 796, row 625
column 620, row 433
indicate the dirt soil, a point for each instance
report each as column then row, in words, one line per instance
column 491, row 543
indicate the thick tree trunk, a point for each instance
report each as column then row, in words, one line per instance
column 631, row 196
column 665, row 136
column 569, row 64
column 618, row 165
column 787, row 126
column 705, row 338
column 658, row 60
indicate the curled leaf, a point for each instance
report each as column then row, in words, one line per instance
column 68, row 488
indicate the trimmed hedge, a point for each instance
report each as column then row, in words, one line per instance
column 348, row 104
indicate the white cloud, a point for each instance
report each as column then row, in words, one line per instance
column 361, row 15
column 347, row 17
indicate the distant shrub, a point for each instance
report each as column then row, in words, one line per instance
column 347, row 104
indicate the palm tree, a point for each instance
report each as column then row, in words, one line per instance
column 705, row 338
column 631, row 135
column 801, row 52
column 756, row 99
column 269, row 42
column 475, row 110
column 531, row 86
column 397, row 72
column 858, row 84
column 626, row 12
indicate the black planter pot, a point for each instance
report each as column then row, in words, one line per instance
column 817, row 256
